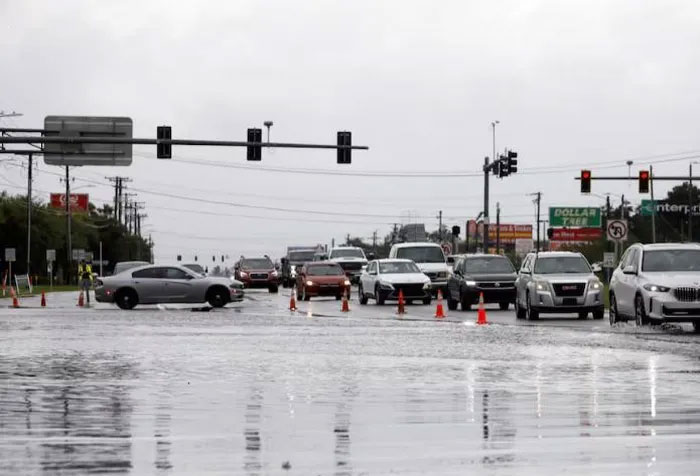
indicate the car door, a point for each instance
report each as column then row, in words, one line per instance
column 148, row 283
column 177, row 285
column 454, row 282
column 365, row 279
column 523, row 280
column 625, row 285
column 372, row 277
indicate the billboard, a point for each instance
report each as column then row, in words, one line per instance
column 586, row 217
column 78, row 201
column 87, row 127
column 509, row 233
column 577, row 234
column 663, row 207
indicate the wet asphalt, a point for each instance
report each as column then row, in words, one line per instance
column 256, row 389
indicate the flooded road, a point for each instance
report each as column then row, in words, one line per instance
column 256, row 389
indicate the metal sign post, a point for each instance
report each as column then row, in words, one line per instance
column 10, row 257
column 50, row 258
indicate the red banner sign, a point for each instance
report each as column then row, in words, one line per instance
column 78, row 201
column 577, row 234
column 508, row 232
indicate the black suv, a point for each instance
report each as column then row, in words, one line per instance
column 493, row 275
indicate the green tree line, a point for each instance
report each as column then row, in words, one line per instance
column 49, row 232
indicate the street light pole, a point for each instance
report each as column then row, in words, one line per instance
column 690, row 202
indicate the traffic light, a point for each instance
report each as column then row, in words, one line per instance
column 164, row 151
column 344, row 155
column 496, row 168
column 585, row 181
column 550, row 233
column 195, row 257
column 222, row 258
column 255, row 151
column 213, row 258
column 643, row 181
column 503, row 168
column 179, row 257
column 512, row 162
column 456, row 230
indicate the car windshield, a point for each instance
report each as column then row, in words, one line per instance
column 488, row 265
column 561, row 265
column 301, row 256
column 194, row 267
column 399, row 267
column 671, row 260
column 349, row 253
column 325, row 270
column 422, row 254
column 257, row 263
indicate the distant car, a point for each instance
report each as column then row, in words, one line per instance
column 197, row 268
column 124, row 265
column 257, row 273
column 320, row 278
column 385, row 278
column 657, row 283
column 295, row 259
column 558, row 282
column 492, row 275
column 156, row 284
column 430, row 259
column 351, row 258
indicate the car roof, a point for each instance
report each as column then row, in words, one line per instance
column 670, row 246
column 417, row 243
column 394, row 260
column 346, row 248
column 555, row 254
column 482, row 255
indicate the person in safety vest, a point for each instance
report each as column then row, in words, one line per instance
column 85, row 278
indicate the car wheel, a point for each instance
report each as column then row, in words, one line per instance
column 126, row 299
column 582, row 315
column 216, row 296
column 696, row 327
column 503, row 306
column 599, row 314
column 361, row 295
column 520, row 313
column 451, row 303
column 613, row 316
column 464, row 302
column 379, row 297
column 532, row 315
column 640, row 314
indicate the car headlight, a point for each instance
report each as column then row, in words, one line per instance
column 347, row 282
column 309, row 283
column 542, row 286
column 471, row 284
column 596, row 286
column 244, row 274
column 385, row 285
column 427, row 286
column 274, row 273
column 294, row 273
column 655, row 288
column 236, row 286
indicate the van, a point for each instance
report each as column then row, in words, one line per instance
column 430, row 259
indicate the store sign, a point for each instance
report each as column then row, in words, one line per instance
column 507, row 233
column 577, row 234
column 584, row 217
column 78, row 201
column 647, row 208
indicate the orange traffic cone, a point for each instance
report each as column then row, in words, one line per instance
column 43, row 299
column 439, row 312
column 81, row 299
column 15, row 301
column 346, row 305
column 481, row 317
column 292, row 302
column 402, row 303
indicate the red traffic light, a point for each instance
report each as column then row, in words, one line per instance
column 586, row 174
column 585, row 181
column 644, row 181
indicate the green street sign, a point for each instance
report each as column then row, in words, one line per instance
column 647, row 208
column 587, row 217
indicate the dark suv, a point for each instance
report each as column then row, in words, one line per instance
column 257, row 273
column 492, row 275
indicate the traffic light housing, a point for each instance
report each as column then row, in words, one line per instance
column 585, row 181
column 503, row 168
column 179, row 257
column 164, row 151
column 456, row 230
column 550, row 233
column 644, row 181
column 344, row 155
column 512, row 160
column 254, row 151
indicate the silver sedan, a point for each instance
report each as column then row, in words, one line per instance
column 154, row 284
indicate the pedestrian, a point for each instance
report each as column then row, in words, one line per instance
column 85, row 277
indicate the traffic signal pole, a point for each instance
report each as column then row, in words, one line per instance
column 653, row 204
column 487, row 170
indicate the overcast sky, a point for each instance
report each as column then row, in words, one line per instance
column 573, row 84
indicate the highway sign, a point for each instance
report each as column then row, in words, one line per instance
column 50, row 255
column 617, row 230
column 10, row 254
column 88, row 154
column 608, row 260
column 587, row 217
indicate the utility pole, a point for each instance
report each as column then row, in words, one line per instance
column 374, row 242
column 690, row 202
column 653, row 211
column 607, row 217
column 119, row 203
column 29, row 213
column 486, row 199
column 69, row 265
column 498, row 228
column 440, row 226
column 538, row 201
column 466, row 237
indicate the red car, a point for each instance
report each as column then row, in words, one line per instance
column 257, row 273
column 322, row 279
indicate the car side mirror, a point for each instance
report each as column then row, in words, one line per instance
column 629, row 270
column 188, row 277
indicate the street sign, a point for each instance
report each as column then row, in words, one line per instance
column 10, row 254
column 78, row 201
column 617, row 230
column 88, row 154
column 608, row 260
column 446, row 248
column 576, row 234
column 78, row 254
column 50, row 255
column 586, row 217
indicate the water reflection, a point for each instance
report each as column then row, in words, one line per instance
column 253, row 413
column 341, row 430
column 163, row 419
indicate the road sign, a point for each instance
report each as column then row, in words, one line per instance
column 617, row 230
column 50, row 255
column 10, row 254
column 586, row 217
column 78, row 254
column 608, row 260
column 446, row 248
column 79, row 202
column 88, row 154
column 576, row 234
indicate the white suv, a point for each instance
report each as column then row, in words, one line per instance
column 657, row 283
column 430, row 259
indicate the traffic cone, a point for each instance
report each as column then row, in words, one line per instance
column 292, row 301
column 81, row 299
column 15, row 301
column 346, row 305
column 402, row 303
column 481, row 317
column 43, row 299
column 439, row 312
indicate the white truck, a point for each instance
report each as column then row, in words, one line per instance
column 351, row 258
column 430, row 259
